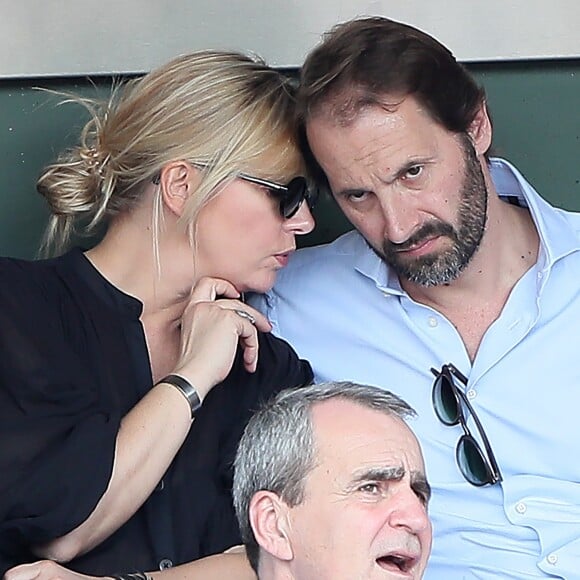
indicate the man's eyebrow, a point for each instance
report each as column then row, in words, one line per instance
column 394, row 473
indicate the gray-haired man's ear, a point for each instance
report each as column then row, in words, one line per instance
column 269, row 520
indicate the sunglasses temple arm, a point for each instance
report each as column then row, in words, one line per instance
column 457, row 373
column 263, row 182
column 492, row 461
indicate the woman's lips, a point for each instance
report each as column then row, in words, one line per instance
column 283, row 258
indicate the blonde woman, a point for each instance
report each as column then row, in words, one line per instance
column 128, row 371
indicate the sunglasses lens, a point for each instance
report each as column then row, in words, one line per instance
column 295, row 195
column 472, row 462
column 445, row 401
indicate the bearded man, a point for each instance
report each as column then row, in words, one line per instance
column 458, row 291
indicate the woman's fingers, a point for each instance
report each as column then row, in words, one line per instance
column 248, row 338
column 253, row 316
column 211, row 332
column 208, row 289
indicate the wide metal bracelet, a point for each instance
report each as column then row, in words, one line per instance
column 186, row 389
column 130, row 576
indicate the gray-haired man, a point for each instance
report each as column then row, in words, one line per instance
column 330, row 485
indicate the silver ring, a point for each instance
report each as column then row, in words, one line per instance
column 245, row 315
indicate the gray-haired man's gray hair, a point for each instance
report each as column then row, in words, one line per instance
column 276, row 451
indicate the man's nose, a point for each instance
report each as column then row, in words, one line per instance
column 409, row 511
column 399, row 215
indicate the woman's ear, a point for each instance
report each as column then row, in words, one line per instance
column 178, row 181
column 269, row 520
column 480, row 130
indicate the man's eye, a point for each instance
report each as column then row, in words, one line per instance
column 358, row 196
column 413, row 172
column 370, row 488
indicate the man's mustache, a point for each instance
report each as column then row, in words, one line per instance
column 429, row 230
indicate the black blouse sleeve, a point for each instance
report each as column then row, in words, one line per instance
column 56, row 440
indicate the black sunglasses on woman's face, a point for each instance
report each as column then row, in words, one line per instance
column 478, row 467
column 290, row 196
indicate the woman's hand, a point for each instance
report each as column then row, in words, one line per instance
column 212, row 326
column 45, row 570
column 154, row 430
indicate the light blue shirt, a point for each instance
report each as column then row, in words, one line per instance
column 342, row 309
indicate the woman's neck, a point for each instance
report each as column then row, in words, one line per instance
column 126, row 257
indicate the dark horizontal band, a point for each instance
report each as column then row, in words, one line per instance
column 186, row 389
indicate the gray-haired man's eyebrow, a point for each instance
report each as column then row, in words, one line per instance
column 395, row 473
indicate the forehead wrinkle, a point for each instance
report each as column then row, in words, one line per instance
column 383, row 136
column 374, row 157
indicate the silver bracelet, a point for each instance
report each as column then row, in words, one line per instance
column 130, row 576
column 187, row 390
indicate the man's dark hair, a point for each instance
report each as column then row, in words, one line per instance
column 363, row 62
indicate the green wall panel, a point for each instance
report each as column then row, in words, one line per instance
column 535, row 109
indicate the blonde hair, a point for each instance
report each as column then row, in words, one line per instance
column 226, row 110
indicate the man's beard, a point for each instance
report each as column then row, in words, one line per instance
column 446, row 265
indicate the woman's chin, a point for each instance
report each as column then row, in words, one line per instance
column 260, row 285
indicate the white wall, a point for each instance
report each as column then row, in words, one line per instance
column 70, row 37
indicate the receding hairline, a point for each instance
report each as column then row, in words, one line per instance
column 399, row 417
column 344, row 107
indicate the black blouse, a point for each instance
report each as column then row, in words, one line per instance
column 73, row 362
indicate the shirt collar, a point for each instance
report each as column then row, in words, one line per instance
column 558, row 237
column 127, row 306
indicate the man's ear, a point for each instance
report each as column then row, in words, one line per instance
column 178, row 180
column 269, row 520
column 480, row 130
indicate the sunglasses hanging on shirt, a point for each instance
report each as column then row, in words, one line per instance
column 478, row 466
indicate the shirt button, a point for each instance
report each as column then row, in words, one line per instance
column 165, row 563
column 552, row 559
column 521, row 508
column 432, row 321
column 471, row 394
column 540, row 275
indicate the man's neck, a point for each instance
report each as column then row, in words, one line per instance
column 476, row 298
